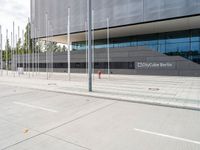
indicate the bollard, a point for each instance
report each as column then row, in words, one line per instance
column 99, row 73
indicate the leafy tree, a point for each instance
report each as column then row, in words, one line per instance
column 7, row 51
column 27, row 39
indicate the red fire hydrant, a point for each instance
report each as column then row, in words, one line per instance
column 99, row 73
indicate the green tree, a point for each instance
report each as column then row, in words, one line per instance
column 7, row 51
column 27, row 39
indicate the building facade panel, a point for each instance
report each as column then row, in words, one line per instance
column 120, row 13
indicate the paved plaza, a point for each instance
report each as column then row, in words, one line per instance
column 33, row 119
column 170, row 91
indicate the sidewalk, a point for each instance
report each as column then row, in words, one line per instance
column 182, row 92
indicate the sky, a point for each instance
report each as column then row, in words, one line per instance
column 13, row 10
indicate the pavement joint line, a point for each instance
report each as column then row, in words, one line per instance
column 63, row 124
column 60, row 139
column 35, row 107
column 168, row 136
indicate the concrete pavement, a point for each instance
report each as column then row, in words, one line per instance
column 32, row 119
column 158, row 90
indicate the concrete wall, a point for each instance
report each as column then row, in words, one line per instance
column 120, row 12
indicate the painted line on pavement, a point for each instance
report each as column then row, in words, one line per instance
column 168, row 136
column 35, row 107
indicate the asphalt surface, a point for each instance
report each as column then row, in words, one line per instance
column 40, row 120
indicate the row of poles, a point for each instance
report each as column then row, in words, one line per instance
column 24, row 58
column 33, row 64
column 17, row 55
column 12, row 51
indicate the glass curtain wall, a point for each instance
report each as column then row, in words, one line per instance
column 181, row 43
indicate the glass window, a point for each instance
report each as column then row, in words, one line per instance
column 177, row 37
column 161, row 39
column 134, row 43
column 161, row 48
column 195, row 35
column 178, row 47
column 154, row 47
column 141, row 43
column 195, row 46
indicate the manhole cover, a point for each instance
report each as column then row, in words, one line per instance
column 154, row 89
column 53, row 84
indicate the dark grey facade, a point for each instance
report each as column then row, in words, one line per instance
column 148, row 37
column 131, row 61
column 120, row 13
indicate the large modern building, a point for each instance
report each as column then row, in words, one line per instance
column 148, row 37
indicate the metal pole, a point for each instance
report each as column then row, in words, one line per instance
column 86, row 48
column 108, row 46
column 68, row 42
column 52, row 54
column 16, row 53
column 89, row 45
column 46, row 46
column 13, row 46
column 35, row 52
column 32, row 47
column 93, row 61
column 23, row 49
column 38, row 54
column 1, row 51
column 18, row 56
column 26, row 54
column 7, row 51
column 1, row 54
column 28, row 49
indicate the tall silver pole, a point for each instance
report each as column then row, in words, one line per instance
column 46, row 46
column 13, row 51
column 93, row 44
column 33, row 48
column 23, row 49
column 108, row 46
column 1, row 54
column 38, row 41
column 18, row 49
column 52, row 54
column 89, row 45
column 86, row 48
column 7, row 51
column 68, row 42
column 36, row 52
column 28, row 49
column 1, row 51
column 16, row 56
column 11, row 45
column 27, row 52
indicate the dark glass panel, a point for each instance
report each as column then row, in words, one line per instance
column 195, row 46
column 178, row 37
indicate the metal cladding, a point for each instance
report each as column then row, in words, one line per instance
column 120, row 12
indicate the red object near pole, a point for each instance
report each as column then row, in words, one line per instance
column 99, row 73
